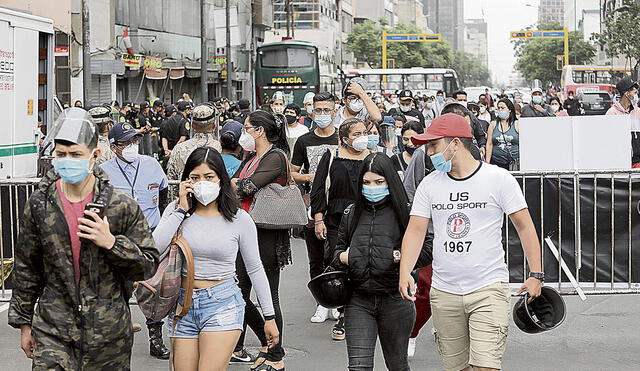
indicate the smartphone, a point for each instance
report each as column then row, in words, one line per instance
column 190, row 201
column 97, row 208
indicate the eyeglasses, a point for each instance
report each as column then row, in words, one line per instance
column 134, row 140
column 326, row 111
column 247, row 128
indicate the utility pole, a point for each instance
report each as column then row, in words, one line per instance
column 287, row 9
column 86, row 56
column 203, row 54
column 228, row 50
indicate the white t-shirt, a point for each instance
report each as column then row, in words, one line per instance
column 297, row 131
column 467, row 216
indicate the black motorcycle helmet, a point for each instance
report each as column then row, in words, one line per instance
column 544, row 313
column 330, row 289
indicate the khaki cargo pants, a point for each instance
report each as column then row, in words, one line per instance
column 471, row 329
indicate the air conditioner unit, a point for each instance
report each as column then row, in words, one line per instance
column 263, row 14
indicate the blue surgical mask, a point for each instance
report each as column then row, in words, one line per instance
column 71, row 170
column 429, row 104
column 310, row 110
column 440, row 163
column 323, row 120
column 536, row 99
column 375, row 193
column 373, row 141
column 440, row 99
column 503, row 115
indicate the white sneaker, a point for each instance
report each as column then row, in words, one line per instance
column 411, row 349
column 335, row 314
column 321, row 315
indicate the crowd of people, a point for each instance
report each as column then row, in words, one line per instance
column 406, row 194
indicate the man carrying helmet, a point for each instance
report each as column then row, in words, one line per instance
column 204, row 135
column 75, row 263
column 467, row 200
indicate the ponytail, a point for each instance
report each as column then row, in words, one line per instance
column 275, row 128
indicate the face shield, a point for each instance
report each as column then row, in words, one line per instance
column 388, row 136
column 73, row 125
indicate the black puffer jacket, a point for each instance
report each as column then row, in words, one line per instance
column 371, row 265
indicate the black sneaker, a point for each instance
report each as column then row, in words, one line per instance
column 243, row 357
column 338, row 332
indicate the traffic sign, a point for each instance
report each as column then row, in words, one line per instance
column 545, row 34
column 412, row 37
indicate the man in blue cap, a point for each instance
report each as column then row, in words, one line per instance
column 142, row 178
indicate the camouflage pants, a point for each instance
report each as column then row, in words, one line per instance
column 53, row 354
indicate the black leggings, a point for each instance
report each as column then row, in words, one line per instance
column 252, row 316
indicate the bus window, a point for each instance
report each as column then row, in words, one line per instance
column 394, row 82
column 290, row 57
column 435, row 82
column 414, row 82
column 373, row 81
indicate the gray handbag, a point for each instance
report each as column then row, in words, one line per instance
column 279, row 207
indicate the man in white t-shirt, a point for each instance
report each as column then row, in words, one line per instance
column 467, row 200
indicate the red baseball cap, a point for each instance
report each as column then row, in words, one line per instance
column 448, row 125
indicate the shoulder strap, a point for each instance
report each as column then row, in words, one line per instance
column 188, row 256
column 327, row 183
column 286, row 161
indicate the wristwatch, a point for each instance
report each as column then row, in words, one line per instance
column 537, row 275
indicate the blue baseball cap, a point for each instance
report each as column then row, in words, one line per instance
column 233, row 127
column 122, row 132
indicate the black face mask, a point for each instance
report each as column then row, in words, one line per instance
column 410, row 150
column 290, row 119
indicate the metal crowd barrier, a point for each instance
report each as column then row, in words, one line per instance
column 592, row 217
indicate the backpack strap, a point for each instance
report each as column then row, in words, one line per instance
column 188, row 290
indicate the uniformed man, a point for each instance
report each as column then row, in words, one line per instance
column 124, row 111
column 156, row 116
column 142, row 178
column 74, row 263
column 176, row 129
column 204, row 127
column 101, row 117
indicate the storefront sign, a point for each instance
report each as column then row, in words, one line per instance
column 61, row 51
column 221, row 60
column 132, row 61
column 153, row 64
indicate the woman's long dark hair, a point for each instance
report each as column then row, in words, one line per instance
column 275, row 127
column 381, row 164
column 227, row 200
column 512, row 110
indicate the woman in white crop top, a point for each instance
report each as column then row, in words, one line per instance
column 215, row 228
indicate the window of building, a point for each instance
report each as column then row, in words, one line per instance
column 306, row 14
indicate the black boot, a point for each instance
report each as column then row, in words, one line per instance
column 156, row 345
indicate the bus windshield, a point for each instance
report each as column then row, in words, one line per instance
column 286, row 58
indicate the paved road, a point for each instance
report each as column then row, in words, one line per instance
column 599, row 334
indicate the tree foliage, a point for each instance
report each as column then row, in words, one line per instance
column 621, row 35
column 536, row 58
column 365, row 42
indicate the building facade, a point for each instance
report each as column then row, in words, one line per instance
column 551, row 10
column 446, row 17
column 412, row 12
column 475, row 41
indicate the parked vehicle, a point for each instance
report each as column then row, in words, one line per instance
column 595, row 102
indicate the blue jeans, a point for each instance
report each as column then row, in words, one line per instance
column 387, row 316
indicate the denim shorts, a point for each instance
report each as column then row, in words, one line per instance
column 216, row 308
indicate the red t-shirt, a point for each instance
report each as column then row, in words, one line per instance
column 73, row 211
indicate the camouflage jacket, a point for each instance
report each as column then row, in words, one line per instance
column 95, row 312
column 180, row 154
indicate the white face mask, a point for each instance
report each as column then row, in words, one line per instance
column 247, row 142
column 398, row 131
column 555, row 107
column 463, row 102
column 277, row 109
column 483, row 109
column 130, row 153
column 360, row 143
column 356, row 105
column 206, row 192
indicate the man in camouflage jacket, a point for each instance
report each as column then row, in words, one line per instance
column 85, row 326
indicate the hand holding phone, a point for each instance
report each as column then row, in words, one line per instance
column 94, row 226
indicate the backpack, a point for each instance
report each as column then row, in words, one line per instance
column 158, row 295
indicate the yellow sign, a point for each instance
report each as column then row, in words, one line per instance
column 29, row 107
column 286, row 80
column 153, row 64
column 134, row 61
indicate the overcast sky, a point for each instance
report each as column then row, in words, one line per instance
column 502, row 16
